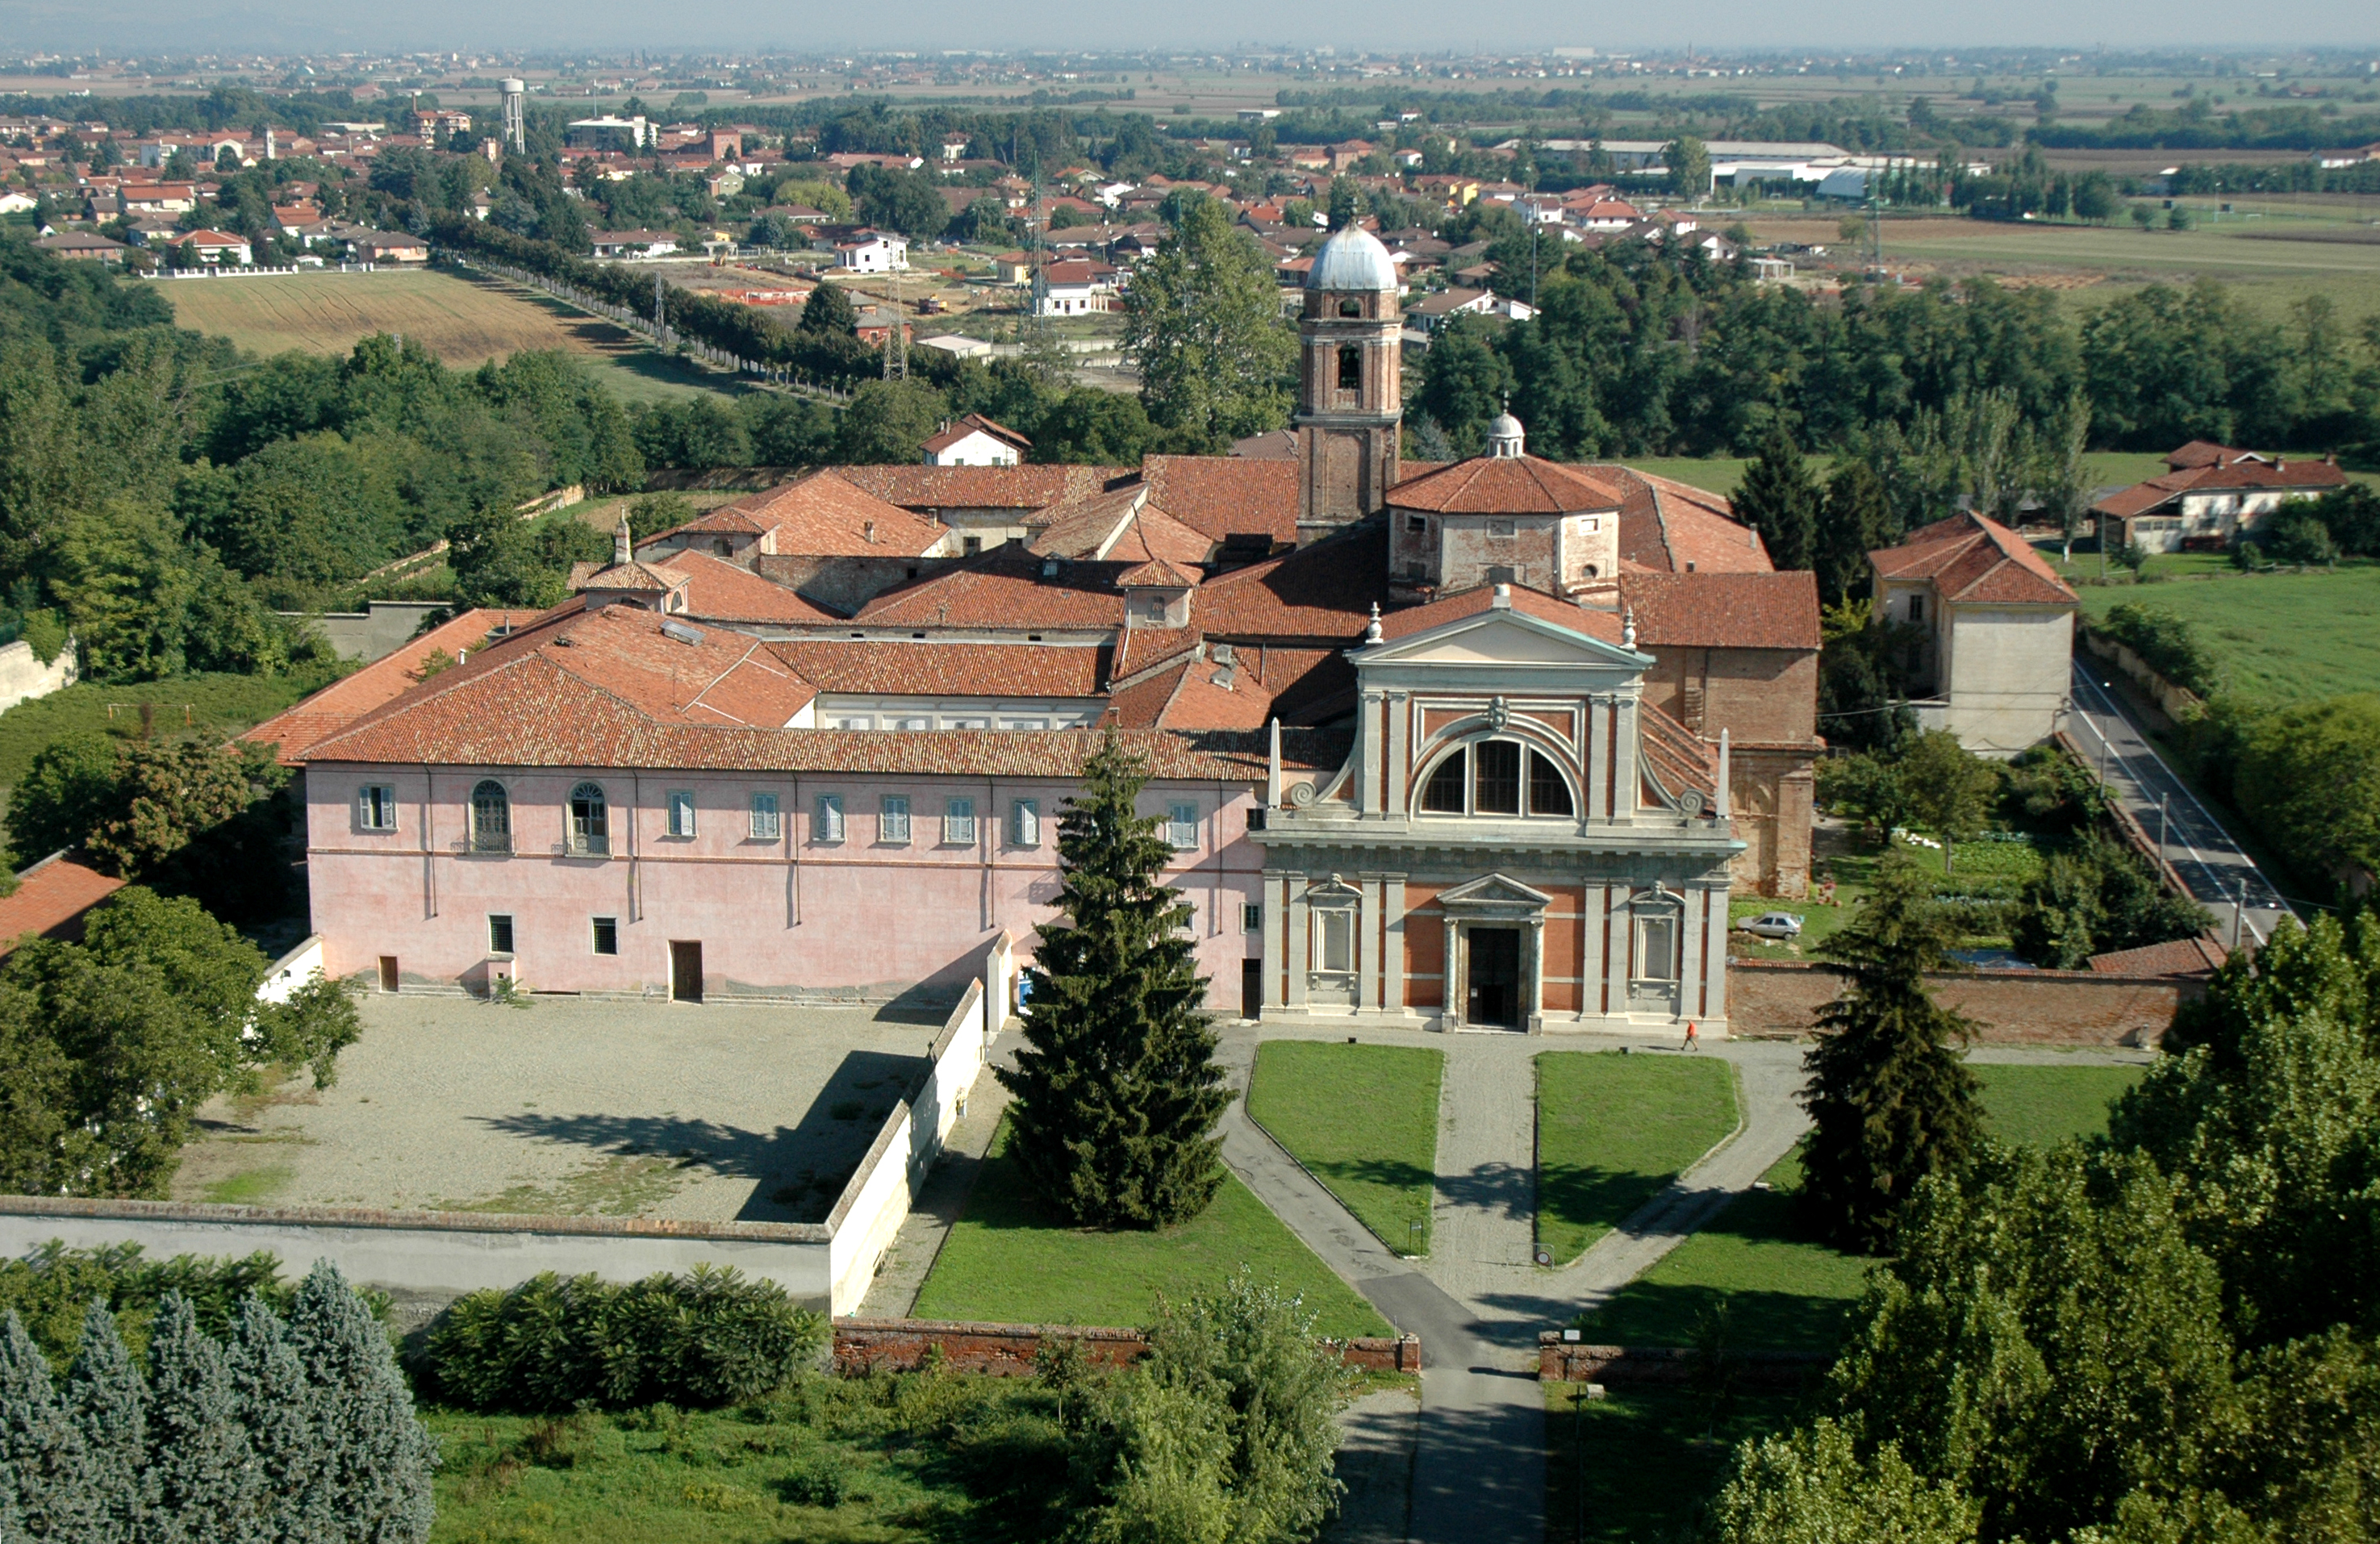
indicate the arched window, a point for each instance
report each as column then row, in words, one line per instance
column 1495, row 777
column 1351, row 306
column 492, row 818
column 1350, row 368
column 590, row 821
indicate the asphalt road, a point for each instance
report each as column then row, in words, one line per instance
column 2214, row 867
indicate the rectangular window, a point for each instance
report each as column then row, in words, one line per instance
column 1182, row 826
column 764, row 817
column 958, row 822
column 1024, row 823
column 1500, row 528
column 852, row 721
column 681, row 812
column 1025, row 724
column 376, row 806
column 607, row 935
column 892, row 823
column 1656, row 948
column 910, row 721
column 1918, row 608
column 1252, row 917
column 827, row 826
column 500, row 934
column 1497, row 790
column 1417, row 524
column 1334, row 940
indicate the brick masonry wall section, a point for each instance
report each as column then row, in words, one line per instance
column 1007, row 1350
column 1560, row 1361
column 2009, row 1008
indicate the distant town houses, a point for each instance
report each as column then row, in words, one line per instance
column 633, row 243
column 873, row 252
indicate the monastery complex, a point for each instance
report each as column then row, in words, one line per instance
column 1472, row 745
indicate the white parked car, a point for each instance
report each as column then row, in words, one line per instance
column 1772, row 924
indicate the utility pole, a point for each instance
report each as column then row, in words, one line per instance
column 2161, row 830
column 661, row 312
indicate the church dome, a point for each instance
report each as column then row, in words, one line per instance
column 1505, row 436
column 1353, row 260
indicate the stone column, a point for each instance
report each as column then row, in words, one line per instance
column 1598, row 751
column 1615, row 959
column 1534, row 1019
column 1367, row 749
column 1453, row 994
column 1392, row 962
column 1592, row 901
column 1298, row 956
column 1366, row 952
column 1395, row 794
column 1623, row 760
column 1715, row 951
column 1690, row 951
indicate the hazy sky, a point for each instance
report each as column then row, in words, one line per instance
column 311, row 25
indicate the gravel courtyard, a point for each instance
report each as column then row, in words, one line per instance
column 572, row 1107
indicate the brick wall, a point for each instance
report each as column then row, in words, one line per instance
column 1007, row 1350
column 1560, row 1361
column 2009, row 1007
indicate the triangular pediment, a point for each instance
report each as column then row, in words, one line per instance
column 1493, row 890
column 1502, row 638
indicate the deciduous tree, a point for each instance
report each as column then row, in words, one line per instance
column 1202, row 320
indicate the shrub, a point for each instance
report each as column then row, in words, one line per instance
column 2166, row 643
column 707, row 1338
column 51, row 1289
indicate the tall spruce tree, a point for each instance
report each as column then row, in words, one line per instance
column 45, row 1467
column 267, row 1386
column 205, row 1477
column 374, row 1484
column 1117, row 1088
column 1779, row 499
column 1855, row 521
column 109, row 1404
column 1888, row 1097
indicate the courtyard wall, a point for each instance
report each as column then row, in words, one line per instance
column 2009, row 1008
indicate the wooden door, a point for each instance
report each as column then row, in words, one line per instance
column 686, row 971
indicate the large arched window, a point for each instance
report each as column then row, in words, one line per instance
column 1495, row 777
column 492, row 818
column 590, row 821
column 1350, row 368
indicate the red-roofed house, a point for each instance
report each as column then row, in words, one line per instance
column 976, row 441
column 1992, row 631
column 51, row 900
column 2210, row 497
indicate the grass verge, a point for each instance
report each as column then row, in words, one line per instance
column 1641, row 1463
column 1012, row 1260
column 2276, row 637
column 1363, row 1120
column 1612, row 1129
column 2038, row 1106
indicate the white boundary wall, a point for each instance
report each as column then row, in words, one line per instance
column 23, row 676
column 824, row 1266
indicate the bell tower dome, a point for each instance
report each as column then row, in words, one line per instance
column 1351, row 387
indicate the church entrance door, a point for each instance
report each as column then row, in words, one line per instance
column 1494, row 1000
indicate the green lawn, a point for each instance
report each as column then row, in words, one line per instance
column 1644, row 1459
column 2280, row 637
column 2039, row 1106
column 1364, row 1119
column 1981, row 867
column 199, row 706
column 1012, row 1261
column 917, row 1456
column 1781, row 1292
column 1612, row 1129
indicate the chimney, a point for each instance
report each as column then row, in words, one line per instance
column 868, row 531
column 623, row 548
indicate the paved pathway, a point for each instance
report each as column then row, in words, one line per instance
column 2213, row 865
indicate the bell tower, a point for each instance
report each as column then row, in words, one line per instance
column 1351, row 383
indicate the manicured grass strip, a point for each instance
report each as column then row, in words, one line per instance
column 1612, row 1129
column 1647, row 1459
column 1010, row 1260
column 2038, row 1106
column 1364, row 1119
column 1781, row 1292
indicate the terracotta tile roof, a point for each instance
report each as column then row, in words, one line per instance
column 1155, row 574
column 1004, row 588
column 1505, row 485
column 573, row 681
column 628, row 579
column 1670, row 527
column 349, row 697
column 719, row 591
column 2199, row 955
column 50, row 900
column 2211, row 477
column 1190, row 694
column 974, row 423
column 1969, row 558
column 1141, row 649
column 922, row 487
column 1122, row 525
column 1680, row 758
column 1323, row 592
column 945, row 669
column 1723, row 611
column 824, row 515
column 1223, row 495
column 2201, row 453
column 1462, row 603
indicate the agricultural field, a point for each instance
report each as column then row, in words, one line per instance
column 2278, row 638
column 461, row 320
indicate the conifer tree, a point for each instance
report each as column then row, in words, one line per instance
column 1779, row 499
column 41, row 1454
column 373, row 1487
column 268, row 1387
column 1117, row 1088
column 109, row 1404
column 1855, row 521
column 1891, row 1099
column 204, row 1475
